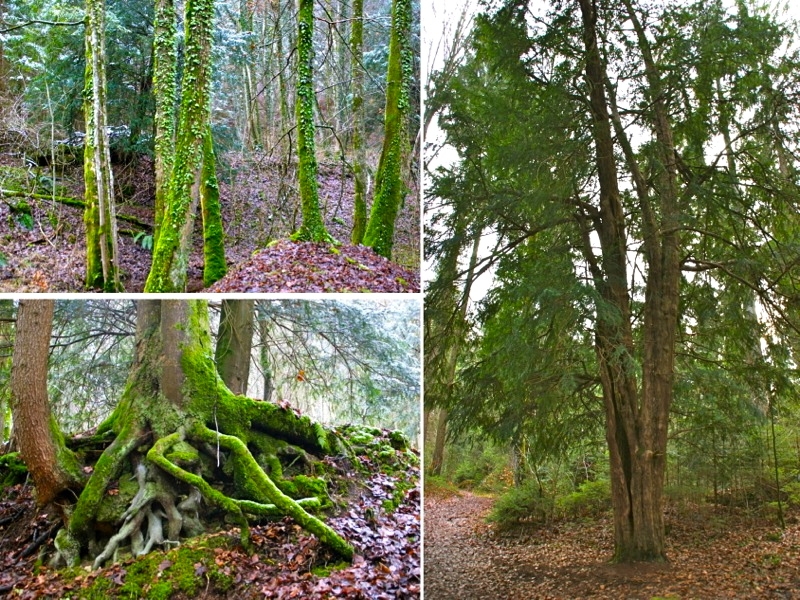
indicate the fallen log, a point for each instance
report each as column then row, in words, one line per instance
column 69, row 202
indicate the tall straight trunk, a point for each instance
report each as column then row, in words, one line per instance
column 192, row 181
column 164, row 90
column 266, row 365
column 283, row 86
column 636, row 421
column 446, row 365
column 357, row 107
column 54, row 468
column 102, row 270
column 389, row 188
column 313, row 228
column 234, row 343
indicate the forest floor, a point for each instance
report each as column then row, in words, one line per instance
column 714, row 553
column 45, row 252
column 287, row 562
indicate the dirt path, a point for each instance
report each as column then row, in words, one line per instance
column 713, row 556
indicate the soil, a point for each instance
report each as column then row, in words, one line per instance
column 714, row 552
column 260, row 204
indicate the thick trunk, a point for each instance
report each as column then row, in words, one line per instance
column 192, row 181
column 389, row 188
column 234, row 343
column 312, row 229
column 54, row 468
column 636, row 419
column 195, row 431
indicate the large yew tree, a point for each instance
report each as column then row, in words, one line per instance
column 589, row 143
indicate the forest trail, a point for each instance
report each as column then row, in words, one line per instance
column 713, row 557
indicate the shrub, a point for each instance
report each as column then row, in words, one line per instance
column 520, row 505
column 590, row 499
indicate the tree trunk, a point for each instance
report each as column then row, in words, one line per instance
column 164, row 90
column 266, row 366
column 359, row 152
column 101, row 224
column 312, row 229
column 193, row 180
column 636, row 421
column 437, row 460
column 234, row 342
column 178, row 428
column 6, row 346
column 54, row 468
column 389, row 188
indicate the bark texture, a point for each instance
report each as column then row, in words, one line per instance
column 357, row 106
column 193, row 181
column 312, row 229
column 176, row 430
column 389, row 188
column 234, row 343
column 636, row 415
column 54, row 469
column 100, row 216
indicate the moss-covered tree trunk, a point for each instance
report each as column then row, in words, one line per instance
column 102, row 270
column 192, row 181
column 359, row 151
column 312, row 228
column 266, row 363
column 164, row 90
column 54, row 468
column 6, row 344
column 177, row 430
column 389, row 188
column 234, row 343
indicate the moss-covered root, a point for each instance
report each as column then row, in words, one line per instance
column 156, row 455
column 283, row 502
column 106, row 469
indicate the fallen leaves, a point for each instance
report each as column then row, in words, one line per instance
column 710, row 549
column 311, row 267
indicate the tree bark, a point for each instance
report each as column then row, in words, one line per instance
column 389, row 189
column 193, row 181
column 102, row 270
column 164, row 91
column 636, row 421
column 176, row 408
column 234, row 343
column 54, row 468
column 312, row 228
column 357, row 107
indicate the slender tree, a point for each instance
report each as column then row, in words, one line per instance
column 312, row 228
column 389, row 188
column 164, row 90
column 357, row 106
column 102, row 270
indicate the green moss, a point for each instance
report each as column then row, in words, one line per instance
column 327, row 569
column 183, row 454
column 214, row 265
column 113, row 506
column 12, row 469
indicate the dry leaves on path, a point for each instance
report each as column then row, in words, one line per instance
column 714, row 553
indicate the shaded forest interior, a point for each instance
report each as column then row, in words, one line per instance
column 612, row 335
column 303, row 131
column 168, row 480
